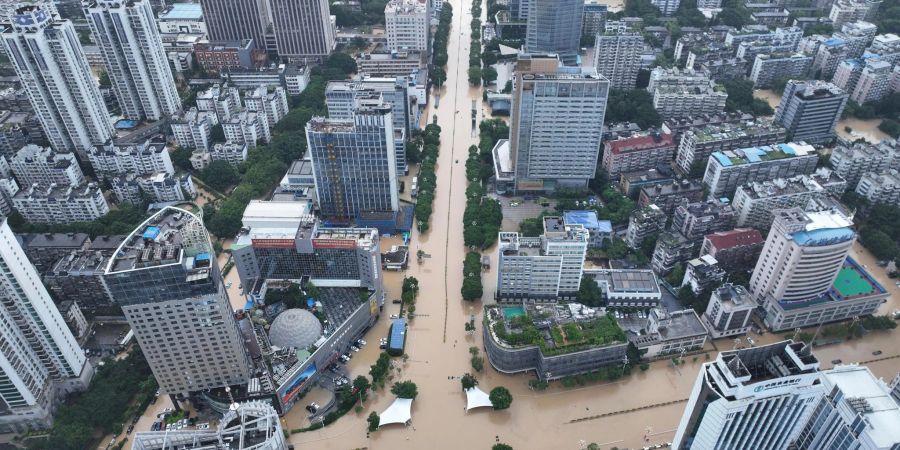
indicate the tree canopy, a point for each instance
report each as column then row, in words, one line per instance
column 405, row 389
column 501, row 398
column 635, row 105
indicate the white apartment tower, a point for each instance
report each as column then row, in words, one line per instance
column 39, row 356
column 802, row 256
column 54, row 71
column 754, row 398
column 617, row 56
column 128, row 37
column 407, row 25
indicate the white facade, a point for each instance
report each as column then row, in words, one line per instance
column 271, row 102
column 34, row 164
column 851, row 161
column 756, row 202
column 617, row 56
column 61, row 204
column 666, row 7
column 756, row 398
column 880, row 188
column 135, row 61
column 232, row 152
column 729, row 311
column 874, row 82
column 407, row 25
column 39, row 356
column 247, row 127
column 137, row 159
column 192, row 129
column 856, row 413
column 802, row 255
column 221, row 100
column 54, row 71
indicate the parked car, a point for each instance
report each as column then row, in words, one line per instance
column 360, row 342
column 354, row 348
column 396, row 301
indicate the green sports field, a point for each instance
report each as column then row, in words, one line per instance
column 850, row 283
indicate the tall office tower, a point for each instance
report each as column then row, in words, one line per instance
column 810, row 110
column 857, row 412
column 354, row 163
column 594, row 18
column 303, row 29
column 407, row 25
column 236, row 20
column 555, row 107
column 127, row 35
column 165, row 277
column 554, row 26
column 617, row 56
column 39, row 357
column 803, row 255
column 757, row 398
column 54, row 70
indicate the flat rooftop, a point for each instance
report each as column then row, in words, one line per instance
column 182, row 11
column 752, row 155
column 852, row 283
column 872, row 399
column 626, row 280
column 171, row 236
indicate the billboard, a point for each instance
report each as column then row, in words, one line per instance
column 289, row 390
column 272, row 243
column 334, row 243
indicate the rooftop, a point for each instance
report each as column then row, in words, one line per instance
column 182, row 11
column 171, row 236
column 852, row 283
column 737, row 237
column 723, row 131
column 587, row 219
column 756, row 364
column 872, row 400
column 625, row 280
column 646, row 141
column 674, row 187
column 670, row 326
column 55, row 240
column 753, row 155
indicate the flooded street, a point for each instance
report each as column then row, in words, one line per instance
column 438, row 345
column 865, row 129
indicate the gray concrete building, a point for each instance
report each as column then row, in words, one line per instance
column 874, row 82
column 729, row 311
column 644, row 223
column 698, row 143
column 880, row 188
column 671, row 248
column 810, row 110
column 769, row 68
column 166, row 278
column 639, row 152
column 617, row 57
column 736, row 250
column 59, row 204
column 678, row 94
column 756, row 202
column 235, row 20
column 627, row 288
column 669, row 195
column 555, row 107
column 696, row 220
column 670, row 333
column 852, row 160
column 554, row 26
column 732, row 168
column 33, row 164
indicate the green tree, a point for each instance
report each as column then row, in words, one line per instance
column 740, row 98
column 438, row 76
column 501, row 398
column 373, row 421
column 181, row 158
column 468, row 381
column 341, row 61
column 405, row 389
column 219, row 175
column 879, row 243
column 589, row 293
column 825, row 29
column 361, row 384
column 635, row 105
column 890, row 127
column 104, row 79
column 676, row 277
column 501, row 446
column 472, row 288
column 489, row 75
column 474, row 75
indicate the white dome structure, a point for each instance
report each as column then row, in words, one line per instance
column 297, row 328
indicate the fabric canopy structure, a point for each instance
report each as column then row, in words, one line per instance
column 399, row 412
column 476, row 398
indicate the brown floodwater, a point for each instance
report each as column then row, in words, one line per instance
column 866, row 129
column 438, row 345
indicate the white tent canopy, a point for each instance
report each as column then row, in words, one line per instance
column 476, row 398
column 399, row 412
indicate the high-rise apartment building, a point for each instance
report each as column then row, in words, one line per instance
column 666, row 7
column 303, row 29
column 637, row 152
column 846, row 11
column 555, row 107
column 880, row 188
column 236, row 20
column 696, row 220
column 697, row 143
column 354, row 164
column 52, row 67
column 128, row 37
column 727, row 170
column 40, row 358
column 683, row 93
column 554, row 27
column 856, row 412
column 165, row 277
column 549, row 267
column 53, row 203
column 407, row 24
column 852, row 160
column 756, row 397
column 644, row 223
column 593, row 20
column 756, row 202
column 810, row 110
column 874, row 82
column 142, row 158
column 736, row 250
column 33, row 164
column 617, row 56
column 192, row 129
column 772, row 67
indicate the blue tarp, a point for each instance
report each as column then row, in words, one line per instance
column 151, row 232
column 310, row 302
column 723, row 160
column 202, row 257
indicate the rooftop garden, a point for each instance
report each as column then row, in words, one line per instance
column 559, row 338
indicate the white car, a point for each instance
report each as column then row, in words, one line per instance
column 354, row 348
column 394, row 316
column 360, row 342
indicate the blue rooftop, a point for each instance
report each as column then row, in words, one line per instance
column 831, row 42
column 588, row 219
column 398, row 330
column 183, row 11
column 151, row 232
column 202, row 257
column 822, row 237
column 723, row 160
column 787, row 149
